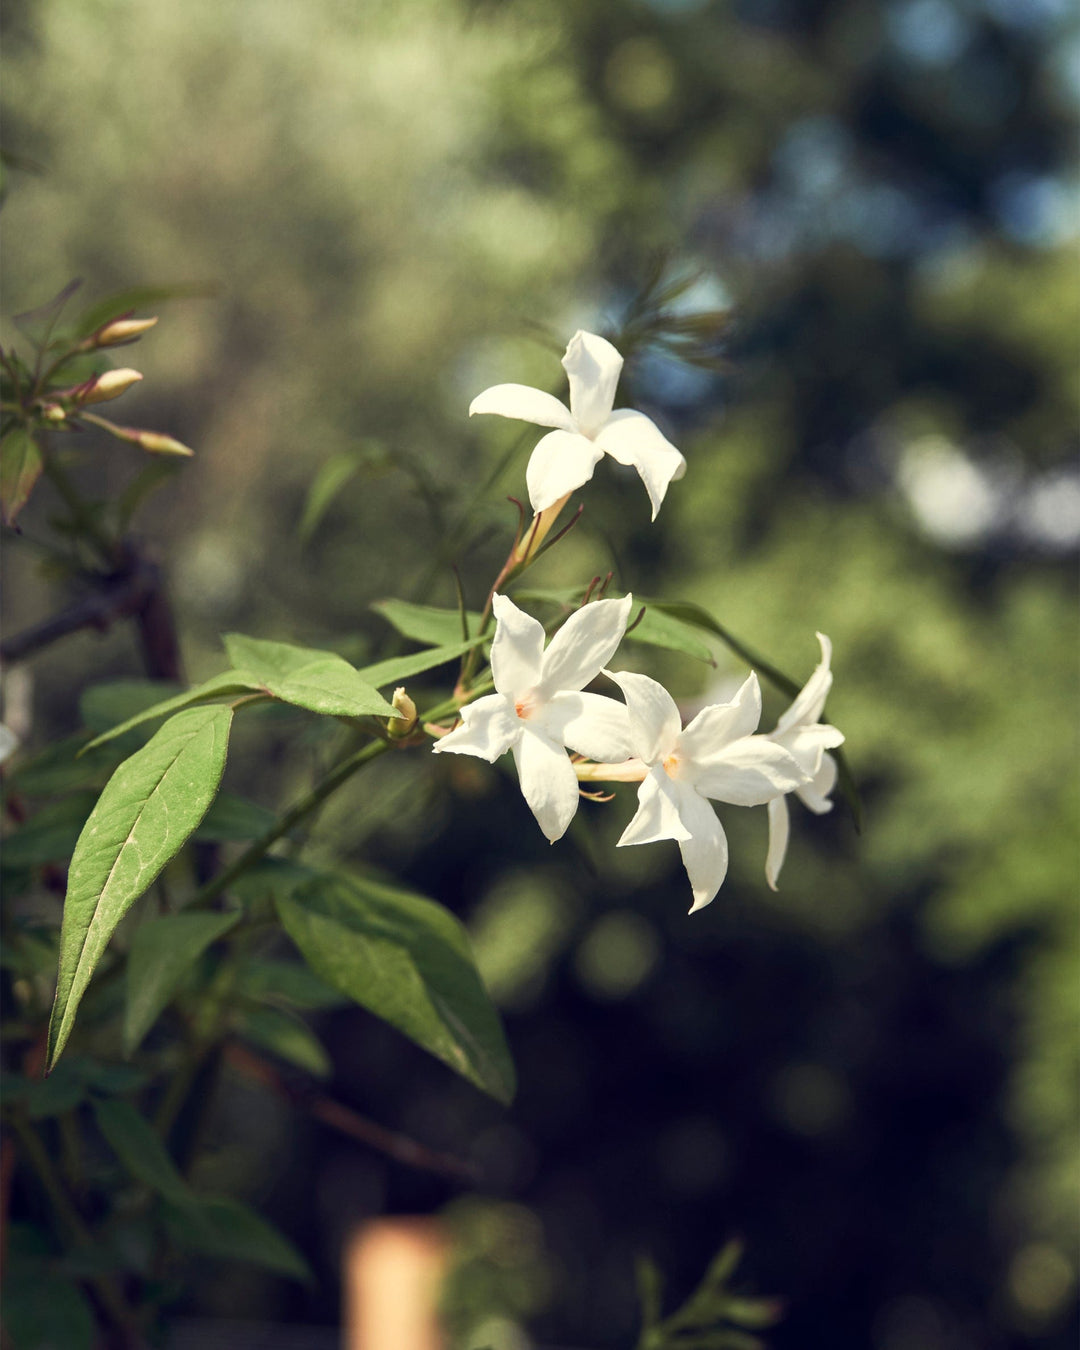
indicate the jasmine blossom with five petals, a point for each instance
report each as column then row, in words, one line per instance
column 807, row 738
column 539, row 708
column 587, row 430
column 717, row 757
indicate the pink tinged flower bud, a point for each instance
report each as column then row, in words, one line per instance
column 111, row 384
column 157, row 443
column 52, row 412
column 120, row 331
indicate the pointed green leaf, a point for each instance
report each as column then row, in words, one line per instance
column 20, row 468
column 149, row 808
column 399, row 668
column 330, row 478
column 102, row 706
column 140, row 297
column 43, row 1308
column 408, row 961
column 320, row 681
column 140, row 1149
column 232, row 1231
column 163, row 950
column 225, row 685
column 426, row 623
column 286, row 982
column 286, row 1036
column 234, row 818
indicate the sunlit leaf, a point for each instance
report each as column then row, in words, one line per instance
column 20, row 468
column 399, row 668
column 149, row 808
column 317, row 680
column 408, row 961
column 426, row 623
column 163, row 951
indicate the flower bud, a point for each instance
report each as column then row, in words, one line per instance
column 52, row 412
column 157, row 443
column 537, row 530
column 405, row 723
column 120, row 330
column 109, row 385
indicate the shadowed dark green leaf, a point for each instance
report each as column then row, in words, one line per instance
column 232, row 1231
column 234, row 818
column 20, row 468
column 288, row 982
column 225, row 685
column 140, row 297
column 320, row 681
column 103, row 706
column 286, row 1036
column 44, row 1309
column 163, row 950
column 408, row 961
column 149, row 808
column 140, row 1149
column 49, row 835
column 330, row 478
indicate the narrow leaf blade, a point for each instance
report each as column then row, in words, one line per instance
column 20, row 468
column 408, row 961
column 426, row 623
column 141, row 1151
column 232, row 1231
column 404, row 667
column 228, row 683
column 163, row 950
column 149, row 808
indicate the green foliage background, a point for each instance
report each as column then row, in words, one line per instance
column 385, row 197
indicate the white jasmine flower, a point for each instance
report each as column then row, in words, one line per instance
column 587, row 430
column 716, row 757
column 801, row 733
column 538, row 708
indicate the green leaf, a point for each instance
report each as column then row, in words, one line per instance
column 225, row 685
column 286, row 982
column 62, row 767
column 102, row 706
column 232, row 1231
column 320, row 681
column 658, row 629
column 287, row 1037
column 149, row 808
column 37, row 324
column 140, row 1149
column 330, row 478
column 20, row 468
column 163, row 950
column 56, row 1095
column 234, row 818
column 49, row 835
column 426, row 623
column 43, row 1310
column 398, row 668
column 140, row 297
column 408, row 961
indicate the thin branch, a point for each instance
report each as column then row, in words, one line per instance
column 349, row 1122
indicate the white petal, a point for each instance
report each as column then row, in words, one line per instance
column 584, row 644
column 488, row 729
column 548, row 782
column 705, row 853
column 654, row 718
column 518, row 648
column 525, row 403
column 809, row 702
column 657, row 815
column 593, row 366
column 809, row 743
column 815, row 795
column 779, row 829
column 718, row 725
column 631, row 438
column 591, row 725
column 561, row 462
column 750, row 772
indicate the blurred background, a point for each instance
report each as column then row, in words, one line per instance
column 870, row 1075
